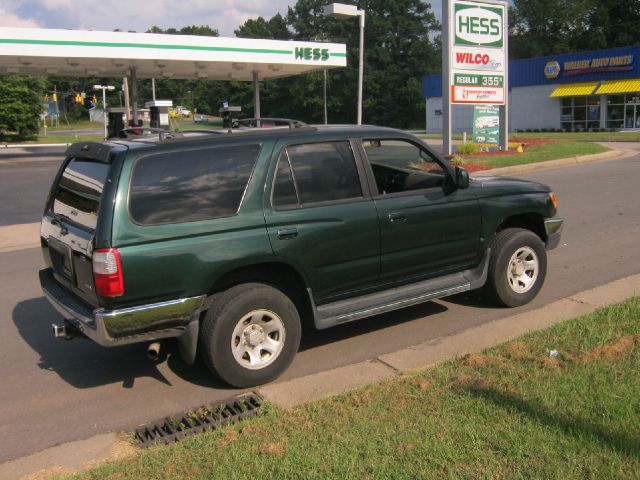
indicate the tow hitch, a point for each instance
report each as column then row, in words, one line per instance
column 63, row 331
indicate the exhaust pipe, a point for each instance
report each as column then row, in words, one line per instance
column 153, row 351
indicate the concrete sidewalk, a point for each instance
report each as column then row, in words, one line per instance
column 74, row 456
column 19, row 237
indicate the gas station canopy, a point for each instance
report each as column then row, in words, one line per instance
column 27, row 51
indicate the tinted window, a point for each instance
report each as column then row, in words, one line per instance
column 190, row 185
column 400, row 166
column 284, row 190
column 79, row 190
column 324, row 171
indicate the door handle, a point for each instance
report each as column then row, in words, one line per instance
column 397, row 217
column 287, row 233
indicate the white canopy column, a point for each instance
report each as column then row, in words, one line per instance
column 256, row 96
column 133, row 75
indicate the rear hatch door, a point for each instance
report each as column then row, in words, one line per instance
column 71, row 217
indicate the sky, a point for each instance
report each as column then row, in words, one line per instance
column 140, row 15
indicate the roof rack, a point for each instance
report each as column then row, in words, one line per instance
column 277, row 122
column 201, row 130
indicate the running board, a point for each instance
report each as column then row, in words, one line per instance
column 351, row 309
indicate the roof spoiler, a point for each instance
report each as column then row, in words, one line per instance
column 93, row 150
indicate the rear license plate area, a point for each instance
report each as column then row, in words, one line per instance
column 61, row 258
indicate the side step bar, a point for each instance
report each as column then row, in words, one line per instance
column 351, row 309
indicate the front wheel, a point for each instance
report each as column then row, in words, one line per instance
column 517, row 268
column 250, row 335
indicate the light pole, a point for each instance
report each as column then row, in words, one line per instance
column 341, row 10
column 104, row 89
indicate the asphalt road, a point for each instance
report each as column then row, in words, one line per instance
column 55, row 391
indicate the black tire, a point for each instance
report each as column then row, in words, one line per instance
column 225, row 315
column 501, row 285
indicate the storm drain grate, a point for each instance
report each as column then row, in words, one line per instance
column 205, row 418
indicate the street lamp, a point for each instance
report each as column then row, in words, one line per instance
column 341, row 10
column 104, row 89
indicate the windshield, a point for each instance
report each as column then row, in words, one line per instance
column 78, row 195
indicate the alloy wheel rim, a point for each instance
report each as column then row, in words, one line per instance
column 258, row 339
column 523, row 269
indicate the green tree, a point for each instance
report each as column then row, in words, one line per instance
column 20, row 104
column 543, row 27
column 400, row 47
column 201, row 30
column 276, row 28
column 613, row 24
column 546, row 27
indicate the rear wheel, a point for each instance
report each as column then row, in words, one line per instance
column 250, row 335
column 517, row 268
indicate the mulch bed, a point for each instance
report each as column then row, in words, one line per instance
column 526, row 143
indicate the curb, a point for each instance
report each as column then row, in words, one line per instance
column 558, row 163
column 80, row 455
column 316, row 386
column 68, row 458
column 19, row 237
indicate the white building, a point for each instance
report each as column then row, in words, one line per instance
column 592, row 90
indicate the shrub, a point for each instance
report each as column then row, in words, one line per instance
column 467, row 148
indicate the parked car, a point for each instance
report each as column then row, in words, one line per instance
column 230, row 242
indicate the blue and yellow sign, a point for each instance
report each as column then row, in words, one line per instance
column 552, row 69
column 619, row 63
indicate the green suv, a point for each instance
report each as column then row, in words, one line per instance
column 230, row 242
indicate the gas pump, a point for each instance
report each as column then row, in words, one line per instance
column 115, row 123
column 230, row 116
column 159, row 113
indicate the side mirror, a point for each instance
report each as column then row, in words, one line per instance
column 462, row 177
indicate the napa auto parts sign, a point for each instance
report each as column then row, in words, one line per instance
column 477, row 51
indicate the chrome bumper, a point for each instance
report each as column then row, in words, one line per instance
column 553, row 229
column 122, row 326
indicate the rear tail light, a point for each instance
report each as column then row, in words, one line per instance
column 554, row 200
column 107, row 272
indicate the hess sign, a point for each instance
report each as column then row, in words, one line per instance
column 477, row 52
column 478, row 25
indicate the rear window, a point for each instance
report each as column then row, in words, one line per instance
column 192, row 185
column 79, row 191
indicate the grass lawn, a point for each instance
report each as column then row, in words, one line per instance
column 512, row 411
column 61, row 139
column 588, row 136
column 583, row 136
column 538, row 153
column 80, row 125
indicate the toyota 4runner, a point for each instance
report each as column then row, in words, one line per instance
column 229, row 242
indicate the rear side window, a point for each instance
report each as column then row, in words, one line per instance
column 77, row 197
column 321, row 171
column 190, row 185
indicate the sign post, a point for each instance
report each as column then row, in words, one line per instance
column 474, row 60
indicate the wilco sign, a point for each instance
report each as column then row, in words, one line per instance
column 478, row 25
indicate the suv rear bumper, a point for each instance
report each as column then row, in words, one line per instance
column 553, row 229
column 122, row 326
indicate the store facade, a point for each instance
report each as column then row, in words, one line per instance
column 592, row 90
